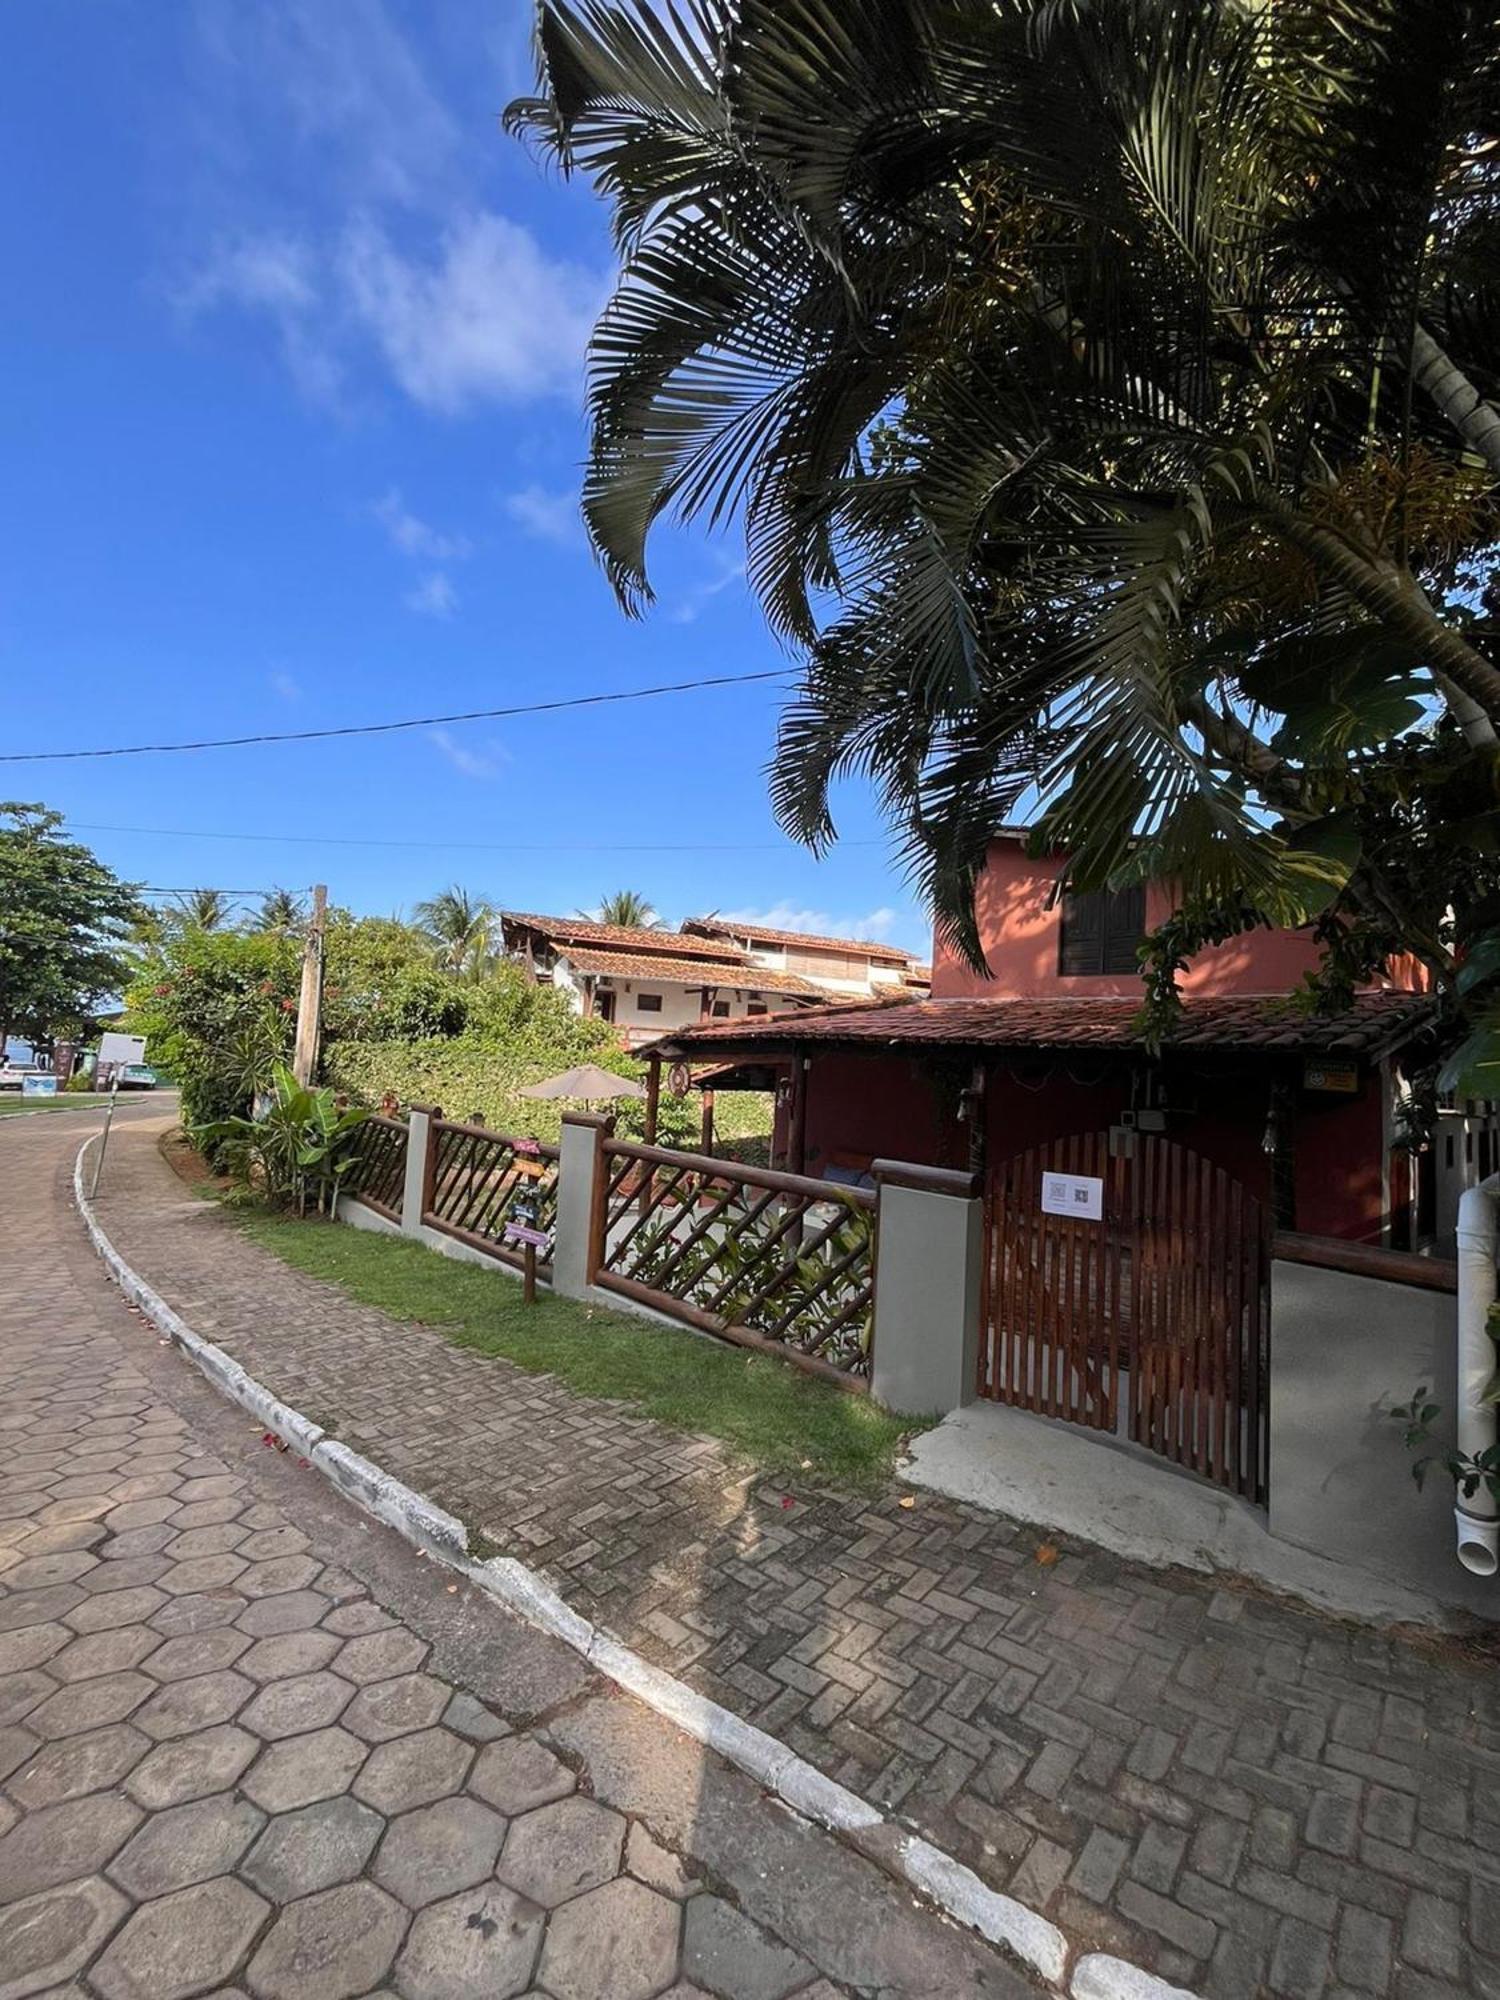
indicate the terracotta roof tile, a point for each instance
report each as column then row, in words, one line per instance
column 725, row 927
column 692, row 971
column 1374, row 1023
column 580, row 930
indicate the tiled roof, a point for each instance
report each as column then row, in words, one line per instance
column 1374, row 1023
column 563, row 930
column 724, row 927
column 736, row 972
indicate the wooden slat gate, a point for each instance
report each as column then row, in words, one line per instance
column 1152, row 1323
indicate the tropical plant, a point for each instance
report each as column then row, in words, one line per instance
column 626, row 908
column 301, row 1144
column 280, row 910
column 202, row 910
column 460, row 930
column 1109, row 394
column 1468, row 1470
column 64, row 920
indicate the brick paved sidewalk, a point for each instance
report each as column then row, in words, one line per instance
column 227, row 1766
column 1248, row 1797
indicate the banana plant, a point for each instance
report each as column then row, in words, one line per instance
column 301, row 1143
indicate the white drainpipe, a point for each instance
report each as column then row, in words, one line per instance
column 1478, row 1249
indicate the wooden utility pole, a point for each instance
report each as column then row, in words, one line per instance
column 310, row 1001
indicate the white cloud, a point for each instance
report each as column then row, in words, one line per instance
column 874, row 927
column 484, row 763
column 434, row 596
column 688, row 608
column 286, row 687
column 276, row 277
column 413, row 536
column 488, row 317
column 551, row 517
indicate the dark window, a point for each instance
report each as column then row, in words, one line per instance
column 648, row 1003
column 721, row 1010
column 757, row 1007
column 1101, row 929
column 604, row 1004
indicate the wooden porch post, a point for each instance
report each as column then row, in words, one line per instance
column 653, row 1107
column 796, row 1145
column 706, row 1142
column 977, row 1112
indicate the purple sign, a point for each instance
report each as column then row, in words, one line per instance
column 518, row 1232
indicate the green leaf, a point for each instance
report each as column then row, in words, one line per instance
column 1474, row 1068
column 1481, row 964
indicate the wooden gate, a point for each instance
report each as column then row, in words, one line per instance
column 1153, row 1322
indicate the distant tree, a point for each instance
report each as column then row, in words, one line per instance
column 203, row 910
column 280, row 911
column 460, row 930
column 64, row 918
column 628, row 908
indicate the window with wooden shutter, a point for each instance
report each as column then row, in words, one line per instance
column 1101, row 930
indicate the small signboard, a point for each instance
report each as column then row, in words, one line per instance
column 522, row 1232
column 530, row 1170
column 1339, row 1076
column 39, row 1086
column 121, row 1050
column 1078, row 1195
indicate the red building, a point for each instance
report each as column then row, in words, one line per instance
column 1300, row 1110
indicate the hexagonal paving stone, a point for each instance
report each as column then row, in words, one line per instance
column 45, row 1938
column 36, row 1607
column 193, row 1768
column 380, row 1656
column 618, row 1942
column 78, row 1764
column 17, row 1745
column 180, row 1707
column 267, row 1543
column 396, row 1707
column 205, row 1573
column 103, row 1653
column 724, row 1950
column 559, row 1851
column 143, row 1513
column 329, row 1946
column 292, row 1707
column 222, row 1539
column 204, row 1513
column 115, row 1608
column 188, row 1844
column 360, row 1614
column 315, row 1848
column 34, row 1572
column 90, row 1704
column 199, row 1611
column 439, row 1850
column 288, row 1653
column 414, row 1770
column 288, row 1611
column 62, row 1842
column 519, row 1775
column 131, row 1574
column 305, row 1768
column 31, row 1646
column 657, row 1866
column 193, row 1653
column 471, row 1718
column 280, row 1574
column 480, row 1941
column 181, row 1943
column 139, row 1541
column 21, row 1693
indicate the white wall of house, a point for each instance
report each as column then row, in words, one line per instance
column 681, row 1005
column 839, row 971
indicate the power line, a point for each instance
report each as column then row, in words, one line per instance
column 457, row 846
column 388, row 728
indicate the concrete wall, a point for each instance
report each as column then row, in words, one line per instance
column 1345, row 1351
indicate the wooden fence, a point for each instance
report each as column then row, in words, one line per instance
column 379, row 1171
column 774, row 1261
column 472, row 1182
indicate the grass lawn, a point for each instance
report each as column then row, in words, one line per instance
column 11, row 1104
column 784, row 1421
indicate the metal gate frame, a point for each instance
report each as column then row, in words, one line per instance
column 1164, row 1304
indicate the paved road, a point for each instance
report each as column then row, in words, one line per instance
column 1243, row 1796
column 252, row 1745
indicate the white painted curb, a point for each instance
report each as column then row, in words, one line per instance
column 953, row 1888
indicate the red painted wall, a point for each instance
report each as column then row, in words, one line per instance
column 1021, row 931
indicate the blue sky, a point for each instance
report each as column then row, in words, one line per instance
column 291, row 437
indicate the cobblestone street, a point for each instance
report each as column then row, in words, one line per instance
column 1244, row 1796
column 250, row 1744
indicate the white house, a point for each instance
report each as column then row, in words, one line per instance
column 650, row 981
column 848, row 966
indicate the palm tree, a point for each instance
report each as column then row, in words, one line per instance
column 628, row 909
column 461, row 931
column 203, row 910
column 1124, row 377
column 281, row 912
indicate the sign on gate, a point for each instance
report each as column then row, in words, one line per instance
column 1078, row 1195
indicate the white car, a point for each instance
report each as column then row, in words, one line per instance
column 14, row 1074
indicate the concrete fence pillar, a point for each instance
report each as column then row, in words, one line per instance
column 580, row 1183
column 928, row 1270
column 417, row 1186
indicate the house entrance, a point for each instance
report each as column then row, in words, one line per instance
column 1141, row 1309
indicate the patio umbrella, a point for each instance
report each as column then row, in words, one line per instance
column 588, row 1081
